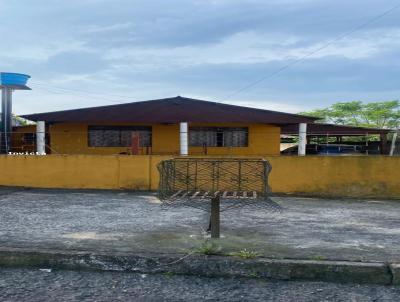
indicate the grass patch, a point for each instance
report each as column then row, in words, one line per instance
column 318, row 258
column 245, row 254
column 169, row 274
column 253, row 274
column 209, row 248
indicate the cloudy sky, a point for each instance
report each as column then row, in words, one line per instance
column 94, row 52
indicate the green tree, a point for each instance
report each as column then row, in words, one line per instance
column 20, row 120
column 375, row 115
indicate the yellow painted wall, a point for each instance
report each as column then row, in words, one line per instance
column 354, row 176
column 73, row 139
column 165, row 139
column 69, row 139
column 374, row 176
column 79, row 171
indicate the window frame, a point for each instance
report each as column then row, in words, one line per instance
column 220, row 136
column 119, row 128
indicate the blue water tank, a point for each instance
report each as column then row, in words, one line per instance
column 14, row 80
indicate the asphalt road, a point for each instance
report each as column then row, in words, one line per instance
column 132, row 222
column 42, row 285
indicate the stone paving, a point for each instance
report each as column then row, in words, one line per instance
column 118, row 221
column 44, row 285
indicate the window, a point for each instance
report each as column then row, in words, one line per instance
column 118, row 136
column 218, row 137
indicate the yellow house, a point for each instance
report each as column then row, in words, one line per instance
column 213, row 128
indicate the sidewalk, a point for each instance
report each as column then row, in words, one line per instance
column 108, row 224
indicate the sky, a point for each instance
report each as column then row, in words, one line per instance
column 83, row 53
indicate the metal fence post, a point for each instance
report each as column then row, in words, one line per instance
column 215, row 217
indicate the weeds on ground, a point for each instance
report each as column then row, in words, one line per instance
column 209, row 248
column 253, row 274
column 318, row 258
column 169, row 274
column 245, row 254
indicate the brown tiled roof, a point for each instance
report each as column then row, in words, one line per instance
column 319, row 129
column 170, row 110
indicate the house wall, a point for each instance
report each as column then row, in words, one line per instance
column 73, row 139
column 353, row 176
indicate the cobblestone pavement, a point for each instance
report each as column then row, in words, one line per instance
column 135, row 222
column 36, row 285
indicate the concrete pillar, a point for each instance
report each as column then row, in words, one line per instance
column 393, row 145
column 183, row 135
column 302, row 139
column 40, row 137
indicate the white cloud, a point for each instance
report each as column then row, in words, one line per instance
column 108, row 28
column 205, row 48
column 41, row 51
column 359, row 46
column 253, row 47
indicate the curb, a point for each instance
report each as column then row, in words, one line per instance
column 208, row 266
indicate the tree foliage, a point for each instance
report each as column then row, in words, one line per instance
column 375, row 115
column 20, row 121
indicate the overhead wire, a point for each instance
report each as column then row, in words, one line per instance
column 78, row 93
column 124, row 98
column 80, row 90
column 302, row 58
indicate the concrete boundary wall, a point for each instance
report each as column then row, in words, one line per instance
column 347, row 176
column 356, row 176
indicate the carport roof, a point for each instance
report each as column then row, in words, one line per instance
column 319, row 129
column 170, row 110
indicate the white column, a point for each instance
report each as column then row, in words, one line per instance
column 393, row 145
column 302, row 139
column 183, row 134
column 40, row 138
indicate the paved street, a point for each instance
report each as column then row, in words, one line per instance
column 135, row 222
column 35, row 285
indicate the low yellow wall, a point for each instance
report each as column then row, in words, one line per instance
column 332, row 176
column 353, row 176
column 80, row 171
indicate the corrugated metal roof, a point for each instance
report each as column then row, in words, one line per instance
column 320, row 129
column 170, row 110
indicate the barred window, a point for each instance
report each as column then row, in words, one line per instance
column 29, row 138
column 218, row 137
column 118, row 136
